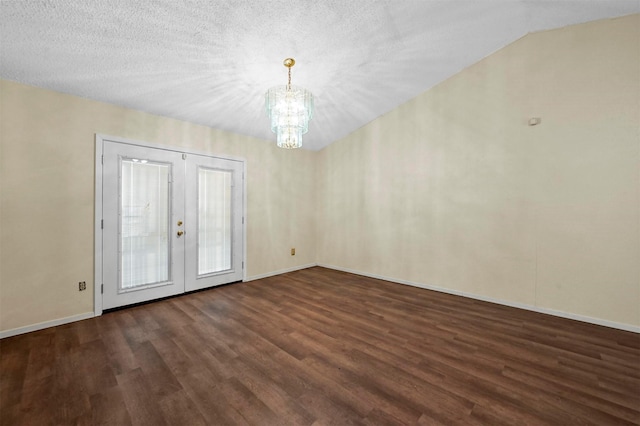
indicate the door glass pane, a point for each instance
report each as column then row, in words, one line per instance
column 214, row 220
column 144, row 223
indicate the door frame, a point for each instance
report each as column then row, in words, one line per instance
column 100, row 139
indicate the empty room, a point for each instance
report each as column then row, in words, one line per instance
column 285, row 212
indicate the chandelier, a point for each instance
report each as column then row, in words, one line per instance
column 289, row 108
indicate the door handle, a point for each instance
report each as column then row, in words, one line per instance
column 180, row 233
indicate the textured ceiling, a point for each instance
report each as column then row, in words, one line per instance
column 210, row 61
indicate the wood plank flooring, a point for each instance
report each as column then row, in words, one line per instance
column 320, row 347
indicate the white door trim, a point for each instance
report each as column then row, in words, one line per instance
column 100, row 139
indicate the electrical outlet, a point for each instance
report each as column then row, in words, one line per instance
column 293, row 252
column 82, row 285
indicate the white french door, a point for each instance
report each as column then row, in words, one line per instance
column 214, row 223
column 171, row 222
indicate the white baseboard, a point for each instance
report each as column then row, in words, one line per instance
column 597, row 321
column 43, row 325
column 281, row 271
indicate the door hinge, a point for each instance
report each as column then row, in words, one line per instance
column 184, row 156
column 242, row 265
column 102, row 159
column 101, row 288
column 101, row 223
column 243, row 220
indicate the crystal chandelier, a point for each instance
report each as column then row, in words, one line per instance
column 290, row 108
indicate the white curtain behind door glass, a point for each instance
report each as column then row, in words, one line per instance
column 214, row 220
column 144, row 223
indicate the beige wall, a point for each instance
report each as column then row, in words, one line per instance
column 455, row 190
column 452, row 189
column 47, row 194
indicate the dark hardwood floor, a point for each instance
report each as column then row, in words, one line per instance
column 321, row 347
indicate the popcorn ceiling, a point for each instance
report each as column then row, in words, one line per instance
column 211, row 61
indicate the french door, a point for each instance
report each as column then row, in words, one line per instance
column 172, row 222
